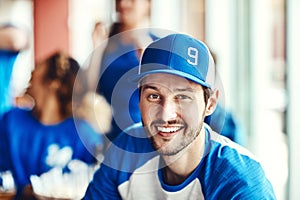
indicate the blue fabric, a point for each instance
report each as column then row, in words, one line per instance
column 227, row 171
column 119, row 63
column 177, row 54
column 7, row 60
column 225, row 123
column 24, row 143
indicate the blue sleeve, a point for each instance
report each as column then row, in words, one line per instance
column 102, row 186
column 260, row 189
column 242, row 190
column 4, row 155
column 92, row 140
column 234, row 176
column 7, row 60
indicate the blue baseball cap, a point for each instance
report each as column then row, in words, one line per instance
column 181, row 55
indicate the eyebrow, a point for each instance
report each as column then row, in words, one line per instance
column 185, row 90
column 188, row 89
column 145, row 87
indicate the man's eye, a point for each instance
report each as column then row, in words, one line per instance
column 154, row 96
column 183, row 97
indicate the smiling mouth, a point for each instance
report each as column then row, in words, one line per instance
column 168, row 131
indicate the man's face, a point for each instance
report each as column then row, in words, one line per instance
column 173, row 111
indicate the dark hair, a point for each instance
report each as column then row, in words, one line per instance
column 207, row 92
column 115, row 29
column 63, row 69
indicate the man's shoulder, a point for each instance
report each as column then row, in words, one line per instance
column 228, row 158
column 225, row 149
column 227, row 162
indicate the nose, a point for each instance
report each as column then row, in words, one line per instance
column 169, row 110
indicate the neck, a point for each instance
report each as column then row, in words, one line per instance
column 180, row 166
column 142, row 24
column 47, row 110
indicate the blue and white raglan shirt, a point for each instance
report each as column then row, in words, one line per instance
column 131, row 170
column 27, row 147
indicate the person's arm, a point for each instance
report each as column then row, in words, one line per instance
column 13, row 38
column 102, row 187
column 5, row 163
column 99, row 40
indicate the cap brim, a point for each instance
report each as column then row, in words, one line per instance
column 138, row 77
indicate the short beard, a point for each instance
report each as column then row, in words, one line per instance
column 183, row 144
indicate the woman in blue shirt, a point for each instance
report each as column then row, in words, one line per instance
column 28, row 136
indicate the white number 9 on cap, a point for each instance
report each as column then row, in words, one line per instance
column 193, row 54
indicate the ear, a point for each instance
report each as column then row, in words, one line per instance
column 212, row 103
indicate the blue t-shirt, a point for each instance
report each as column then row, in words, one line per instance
column 131, row 170
column 7, row 60
column 25, row 143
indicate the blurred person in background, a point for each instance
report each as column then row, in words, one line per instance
column 31, row 140
column 119, row 57
column 12, row 41
column 224, row 121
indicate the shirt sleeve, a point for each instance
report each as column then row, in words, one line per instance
column 102, row 186
column 4, row 155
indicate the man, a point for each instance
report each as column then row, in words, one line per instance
column 172, row 154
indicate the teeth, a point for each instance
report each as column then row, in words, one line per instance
column 168, row 129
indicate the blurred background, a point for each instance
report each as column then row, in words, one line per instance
column 254, row 42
